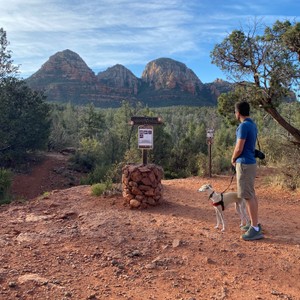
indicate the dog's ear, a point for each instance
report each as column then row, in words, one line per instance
column 207, row 186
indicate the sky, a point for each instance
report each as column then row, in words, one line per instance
column 131, row 33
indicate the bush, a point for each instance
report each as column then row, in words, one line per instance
column 290, row 166
column 202, row 164
column 221, row 164
column 98, row 189
column 88, row 156
column 96, row 175
column 5, row 184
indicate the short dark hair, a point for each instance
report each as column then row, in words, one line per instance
column 243, row 108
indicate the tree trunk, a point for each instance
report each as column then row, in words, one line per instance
column 281, row 121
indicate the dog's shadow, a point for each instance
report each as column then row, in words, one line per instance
column 191, row 205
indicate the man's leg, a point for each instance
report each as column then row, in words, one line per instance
column 252, row 208
column 254, row 232
column 246, row 178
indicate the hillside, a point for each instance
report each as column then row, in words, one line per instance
column 71, row 245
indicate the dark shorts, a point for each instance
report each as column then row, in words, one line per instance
column 245, row 175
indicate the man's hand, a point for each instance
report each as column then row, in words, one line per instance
column 233, row 161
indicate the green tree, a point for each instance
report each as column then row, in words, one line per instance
column 222, row 148
column 162, row 146
column 286, row 33
column 107, row 140
column 24, row 115
column 92, row 123
column 65, row 126
column 6, row 63
column 120, row 135
column 24, row 120
column 263, row 66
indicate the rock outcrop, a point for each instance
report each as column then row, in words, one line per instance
column 120, row 79
column 218, row 87
column 166, row 73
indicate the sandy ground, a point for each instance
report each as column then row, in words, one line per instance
column 67, row 244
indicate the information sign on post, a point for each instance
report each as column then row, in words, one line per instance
column 145, row 132
column 145, row 137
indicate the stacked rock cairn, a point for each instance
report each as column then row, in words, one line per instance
column 141, row 185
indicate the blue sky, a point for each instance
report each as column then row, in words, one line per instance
column 131, row 33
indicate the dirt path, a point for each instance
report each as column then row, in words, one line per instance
column 52, row 172
column 71, row 245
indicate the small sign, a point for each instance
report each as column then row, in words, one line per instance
column 210, row 135
column 145, row 137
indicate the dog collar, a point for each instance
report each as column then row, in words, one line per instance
column 221, row 202
column 211, row 195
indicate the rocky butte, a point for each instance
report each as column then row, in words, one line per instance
column 65, row 77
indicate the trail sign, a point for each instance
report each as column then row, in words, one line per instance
column 145, row 137
column 145, row 132
column 210, row 135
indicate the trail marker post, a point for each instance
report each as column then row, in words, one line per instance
column 209, row 140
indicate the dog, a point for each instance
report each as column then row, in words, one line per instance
column 221, row 201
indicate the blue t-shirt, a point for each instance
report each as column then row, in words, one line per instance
column 247, row 130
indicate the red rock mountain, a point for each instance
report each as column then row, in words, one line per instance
column 65, row 77
column 166, row 73
column 120, row 78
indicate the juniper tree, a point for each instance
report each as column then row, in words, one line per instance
column 265, row 68
column 24, row 120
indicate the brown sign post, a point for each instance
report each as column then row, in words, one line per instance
column 145, row 133
column 209, row 140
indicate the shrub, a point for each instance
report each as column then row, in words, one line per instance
column 290, row 166
column 88, row 156
column 98, row 189
column 96, row 175
column 202, row 164
column 221, row 164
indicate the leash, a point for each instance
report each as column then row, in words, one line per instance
column 234, row 172
column 221, row 202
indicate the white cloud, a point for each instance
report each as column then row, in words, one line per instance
column 130, row 32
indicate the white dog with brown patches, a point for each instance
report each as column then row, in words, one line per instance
column 221, row 201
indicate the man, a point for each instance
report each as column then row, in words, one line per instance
column 245, row 163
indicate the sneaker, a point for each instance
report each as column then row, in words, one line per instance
column 252, row 235
column 246, row 227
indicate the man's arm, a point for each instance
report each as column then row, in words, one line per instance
column 237, row 150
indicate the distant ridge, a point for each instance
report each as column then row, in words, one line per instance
column 65, row 77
